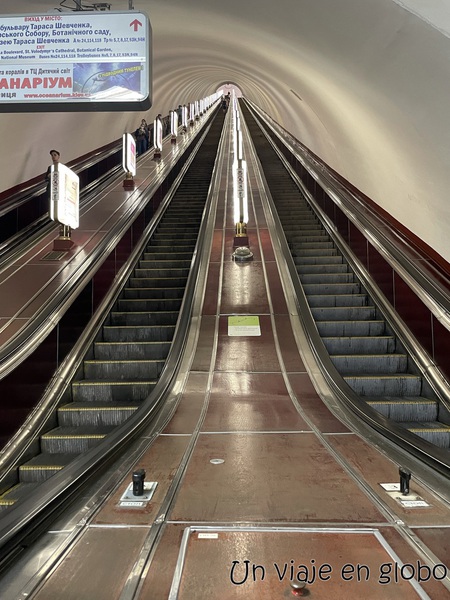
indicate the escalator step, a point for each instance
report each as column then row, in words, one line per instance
column 111, row 391
column 43, row 466
column 327, row 278
column 148, row 304
column 69, row 440
column 332, row 288
column 350, row 328
column 323, row 269
column 162, row 282
column 435, row 432
column 324, row 300
column 123, row 370
column 407, row 408
column 326, row 259
column 182, row 234
column 131, row 350
column 301, row 246
column 144, row 318
column 152, row 292
column 308, row 236
column 82, row 414
column 370, row 364
column 344, row 313
column 157, row 333
column 315, row 252
column 368, row 344
column 166, row 262
column 158, row 272
column 385, row 385
column 308, row 226
column 16, row 493
column 161, row 256
column 164, row 246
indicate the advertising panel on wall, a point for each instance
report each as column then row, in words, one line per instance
column 75, row 61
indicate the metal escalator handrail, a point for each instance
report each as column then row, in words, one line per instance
column 384, row 238
column 429, row 454
column 30, row 513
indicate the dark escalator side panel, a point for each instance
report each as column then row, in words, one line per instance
column 126, row 361
column 361, row 345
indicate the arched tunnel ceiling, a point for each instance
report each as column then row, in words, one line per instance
column 365, row 85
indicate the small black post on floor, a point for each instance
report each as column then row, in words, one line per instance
column 405, row 476
column 138, row 482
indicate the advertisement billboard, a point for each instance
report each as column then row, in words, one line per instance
column 75, row 61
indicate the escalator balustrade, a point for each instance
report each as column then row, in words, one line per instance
column 360, row 342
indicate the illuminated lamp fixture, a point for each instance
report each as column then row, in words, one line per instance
column 157, row 137
column 173, row 126
column 129, row 160
column 184, row 118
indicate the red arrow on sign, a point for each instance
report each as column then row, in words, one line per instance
column 136, row 24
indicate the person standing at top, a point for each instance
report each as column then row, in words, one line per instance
column 55, row 160
column 141, row 135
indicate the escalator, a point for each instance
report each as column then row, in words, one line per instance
column 127, row 358
column 361, row 344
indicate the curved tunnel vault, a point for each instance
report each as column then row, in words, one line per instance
column 363, row 85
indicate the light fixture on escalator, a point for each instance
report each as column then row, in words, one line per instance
column 157, row 137
column 173, row 126
column 240, row 200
